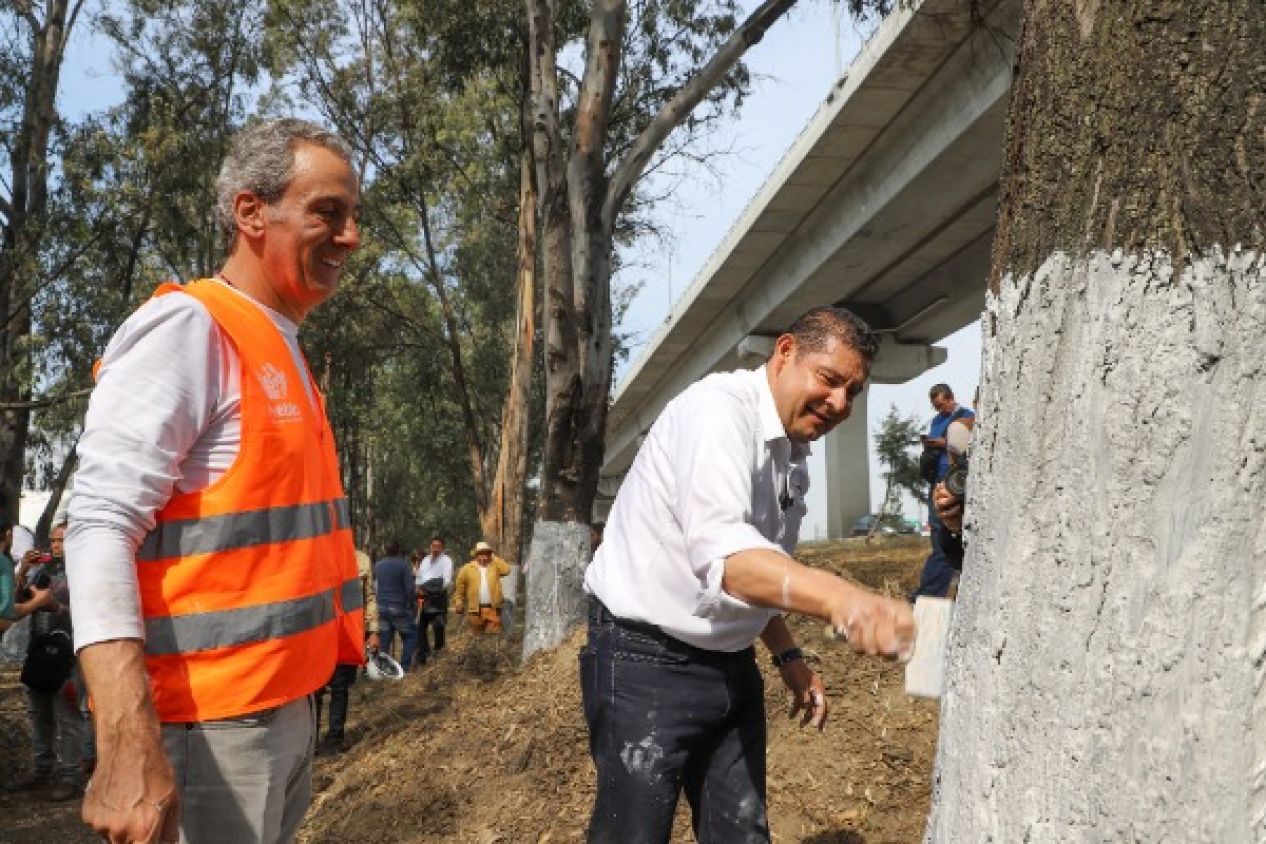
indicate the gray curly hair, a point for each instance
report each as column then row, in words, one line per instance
column 261, row 160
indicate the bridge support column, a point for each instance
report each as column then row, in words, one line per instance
column 848, row 471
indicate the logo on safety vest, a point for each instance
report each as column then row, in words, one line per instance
column 274, row 382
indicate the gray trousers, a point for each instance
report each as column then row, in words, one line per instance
column 244, row 780
column 56, row 733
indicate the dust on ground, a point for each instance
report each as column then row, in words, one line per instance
column 475, row 749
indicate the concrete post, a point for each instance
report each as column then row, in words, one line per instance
column 848, row 471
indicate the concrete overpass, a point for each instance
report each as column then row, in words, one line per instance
column 884, row 205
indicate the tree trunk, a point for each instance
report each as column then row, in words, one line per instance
column 553, row 593
column 20, row 236
column 883, row 510
column 452, row 341
column 1106, row 677
column 45, row 524
column 503, row 519
column 582, row 194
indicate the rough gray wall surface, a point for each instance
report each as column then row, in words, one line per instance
column 556, row 599
column 1105, row 676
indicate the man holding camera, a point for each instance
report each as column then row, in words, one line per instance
column 49, row 678
column 434, row 579
column 939, row 570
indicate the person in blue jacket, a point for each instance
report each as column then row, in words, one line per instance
column 939, row 570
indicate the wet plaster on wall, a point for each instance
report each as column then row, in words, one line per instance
column 1106, row 667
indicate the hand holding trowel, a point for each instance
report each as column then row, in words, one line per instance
column 925, row 672
column 925, row 661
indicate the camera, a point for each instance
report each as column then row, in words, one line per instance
column 958, row 443
column 41, row 580
column 955, row 479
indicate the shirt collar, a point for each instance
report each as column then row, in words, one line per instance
column 770, row 422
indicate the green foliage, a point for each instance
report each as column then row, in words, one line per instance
column 429, row 93
column 896, row 444
column 419, row 344
column 133, row 202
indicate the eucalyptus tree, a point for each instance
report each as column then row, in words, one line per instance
column 33, row 40
column 435, row 122
column 652, row 77
column 132, row 204
column 896, row 436
column 1105, row 677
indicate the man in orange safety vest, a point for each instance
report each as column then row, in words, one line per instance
column 209, row 545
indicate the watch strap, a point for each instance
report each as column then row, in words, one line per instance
column 789, row 655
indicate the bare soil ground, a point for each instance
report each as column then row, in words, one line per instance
column 475, row 749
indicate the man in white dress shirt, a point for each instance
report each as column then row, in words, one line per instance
column 434, row 579
column 695, row 565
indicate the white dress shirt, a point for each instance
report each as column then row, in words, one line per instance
column 164, row 418
column 432, row 567
column 716, row 475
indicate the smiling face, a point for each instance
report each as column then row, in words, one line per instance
column 305, row 237
column 814, row 391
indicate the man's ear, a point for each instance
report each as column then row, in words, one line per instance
column 784, row 352
column 248, row 213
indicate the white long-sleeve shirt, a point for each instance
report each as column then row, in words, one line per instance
column 716, row 475
column 432, row 567
column 164, row 418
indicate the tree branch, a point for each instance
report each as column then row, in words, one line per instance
column 47, row 401
column 684, row 101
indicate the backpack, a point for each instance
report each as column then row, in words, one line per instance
column 49, row 661
column 436, row 596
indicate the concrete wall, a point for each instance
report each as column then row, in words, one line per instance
column 847, row 472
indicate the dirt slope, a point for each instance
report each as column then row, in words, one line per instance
column 476, row 750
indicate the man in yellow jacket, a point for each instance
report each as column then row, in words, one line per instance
column 477, row 590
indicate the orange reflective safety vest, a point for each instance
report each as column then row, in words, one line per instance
column 249, row 588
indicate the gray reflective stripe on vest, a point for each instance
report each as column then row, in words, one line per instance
column 231, row 531
column 207, row 630
column 351, row 596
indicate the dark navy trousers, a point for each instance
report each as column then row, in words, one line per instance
column 665, row 718
column 945, row 561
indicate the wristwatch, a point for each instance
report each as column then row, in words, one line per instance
column 789, row 655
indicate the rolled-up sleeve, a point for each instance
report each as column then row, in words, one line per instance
column 156, row 391
column 714, row 456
